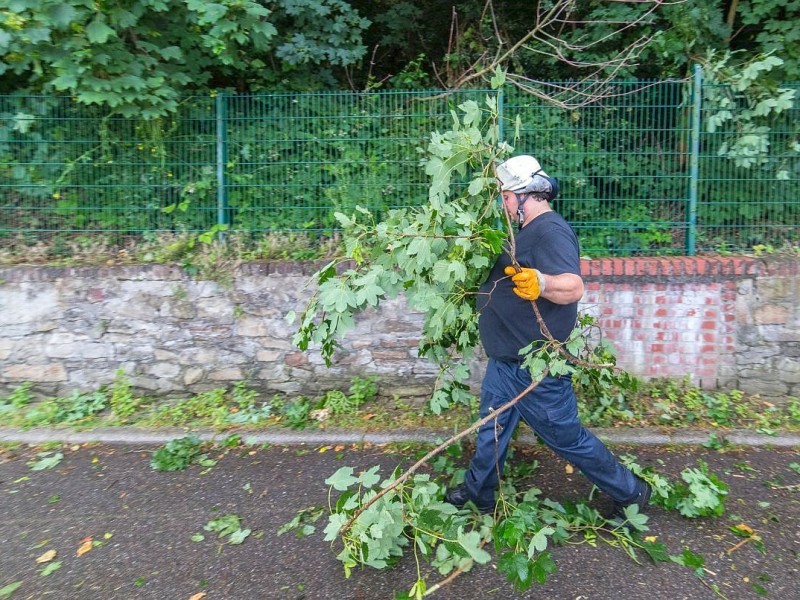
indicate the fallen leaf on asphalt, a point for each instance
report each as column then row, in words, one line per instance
column 651, row 539
column 339, row 448
column 744, row 528
column 198, row 596
column 45, row 571
column 6, row 591
column 86, row 545
column 46, row 557
column 569, row 469
column 46, row 460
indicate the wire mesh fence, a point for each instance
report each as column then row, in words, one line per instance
column 641, row 170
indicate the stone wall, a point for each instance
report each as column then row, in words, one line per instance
column 726, row 323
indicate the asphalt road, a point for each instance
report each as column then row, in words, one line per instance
column 141, row 523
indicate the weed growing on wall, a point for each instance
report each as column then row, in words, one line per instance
column 661, row 403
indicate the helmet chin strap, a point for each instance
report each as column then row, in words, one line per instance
column 521, row 198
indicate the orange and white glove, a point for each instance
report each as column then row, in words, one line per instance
column 528, row 283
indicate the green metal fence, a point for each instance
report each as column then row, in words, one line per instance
column 640, row 171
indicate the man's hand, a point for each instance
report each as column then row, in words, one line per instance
column 528, row 283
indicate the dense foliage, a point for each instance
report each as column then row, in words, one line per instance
column 73, row 163
column 137, row 56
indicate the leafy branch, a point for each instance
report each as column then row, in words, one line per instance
column 437, row 256
column 438, row 450
column 375, row 526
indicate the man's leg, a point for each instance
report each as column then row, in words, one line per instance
column 494, row 437
column 551, row 410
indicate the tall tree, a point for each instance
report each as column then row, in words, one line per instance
column 139, row 56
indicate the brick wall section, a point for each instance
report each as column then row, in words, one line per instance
column 729, row 322
column 670, row 317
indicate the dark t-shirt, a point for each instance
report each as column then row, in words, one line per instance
column 507, row 323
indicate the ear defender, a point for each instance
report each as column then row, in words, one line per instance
column 555, row 188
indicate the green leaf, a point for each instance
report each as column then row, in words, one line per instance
column 370, row 292
column 7, row 590
column 62, row 14
column 171, row 53
column 65, row 81
column 539, row 541
column 47, row 460
column 470, row 541
column 498, row 78
column 225, row 525
column 472, row 113
column 238, row 536
column 517, row 569
column 687, row 558
column 421, row 248
column 98, row 32
column 636, row 519
column 336, row 295
column 656, row 551
column 476, row 186
column 50, row 568
column 176, row 455
column 335, row 523
column 370, row 477
column 342, row 479
column 441, row 271
column 542, row 567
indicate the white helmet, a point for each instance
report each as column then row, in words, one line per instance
column 524, row 175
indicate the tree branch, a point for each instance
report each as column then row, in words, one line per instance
column 417, row 465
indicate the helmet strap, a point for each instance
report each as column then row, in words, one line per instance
column 521, row 198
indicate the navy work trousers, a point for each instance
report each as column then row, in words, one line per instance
column 551, row 410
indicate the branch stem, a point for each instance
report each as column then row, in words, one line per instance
column 441, row 447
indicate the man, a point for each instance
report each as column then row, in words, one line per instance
column 548, row 251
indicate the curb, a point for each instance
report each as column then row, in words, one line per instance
column 135, row 436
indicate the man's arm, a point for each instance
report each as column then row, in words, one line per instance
column 531, row 284
column 562, row 289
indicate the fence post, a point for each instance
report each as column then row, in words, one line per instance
column 222, row 154
column 694, row 164
column 500, row 100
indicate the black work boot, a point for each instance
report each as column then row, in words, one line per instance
column 459, row 496
column 641, row 500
